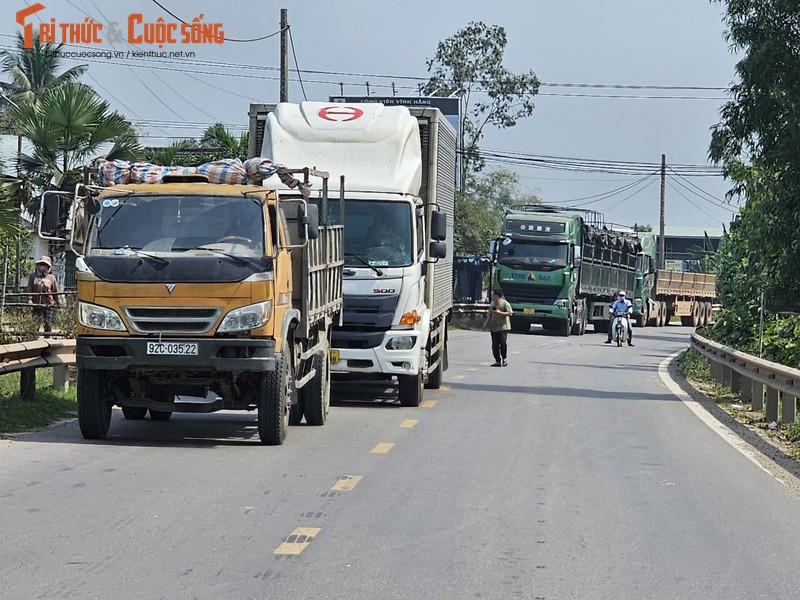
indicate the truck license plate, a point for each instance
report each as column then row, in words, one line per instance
column 528, row 311
column 172, row 348
column 334, row 356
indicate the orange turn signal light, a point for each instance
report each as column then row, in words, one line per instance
column 410, row 318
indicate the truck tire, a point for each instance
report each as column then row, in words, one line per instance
column 272, row 400
column 410, row 391
column 134, row 413
column 434, row 381
column 565, row 327
column 160, row 394
column 666, row 316
column 315, row 396
column 695, row 314
column 94, row 411
column 160, row 415
column 709, row 310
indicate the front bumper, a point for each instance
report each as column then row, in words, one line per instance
column 213, row 354
column 379, row 359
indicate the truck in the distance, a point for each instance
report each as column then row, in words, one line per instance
column 560, row 267
column 661, row 294
column 400, row 166
column 198, row 297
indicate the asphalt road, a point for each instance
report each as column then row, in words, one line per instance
column 572, row 473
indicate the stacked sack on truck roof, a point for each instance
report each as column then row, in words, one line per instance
column 228, row 170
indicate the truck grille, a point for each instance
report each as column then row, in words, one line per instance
column 160, row 319
column 531, row 293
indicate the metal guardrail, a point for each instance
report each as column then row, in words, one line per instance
column 26, row 357
column 754, row 378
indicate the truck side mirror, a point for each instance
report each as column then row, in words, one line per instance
column 576, row 256
column 308, row 215
column 438, row 226
column 437, row 250
column 51, row 211
column 492, row 248
column 652, row 268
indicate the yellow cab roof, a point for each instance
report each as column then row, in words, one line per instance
column 188, row 189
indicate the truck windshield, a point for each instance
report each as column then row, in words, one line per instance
column 376, row 232
column 165, row 225
column 524, row 253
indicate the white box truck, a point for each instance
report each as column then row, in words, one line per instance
column 400, row 166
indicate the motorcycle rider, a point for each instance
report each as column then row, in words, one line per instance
column 621, row 305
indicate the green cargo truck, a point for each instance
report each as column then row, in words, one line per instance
column 560, row 267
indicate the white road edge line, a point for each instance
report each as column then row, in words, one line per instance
column 709, row 419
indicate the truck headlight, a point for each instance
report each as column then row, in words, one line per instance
column 403, row 342
column 562, row 304
column 99, row 317
column 247, row 317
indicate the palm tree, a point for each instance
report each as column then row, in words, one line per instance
column 228, row 146
column 33, row 70
column 68, row 128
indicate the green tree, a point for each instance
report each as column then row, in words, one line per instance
column 33, row 70
column 758, row 141
column 470, row 64
column 480, row 208
column 224, row 142
column 69, row 128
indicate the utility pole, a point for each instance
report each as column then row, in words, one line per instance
column 661, row 225
column 284, row 55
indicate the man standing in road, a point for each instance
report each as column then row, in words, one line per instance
column 499, row 325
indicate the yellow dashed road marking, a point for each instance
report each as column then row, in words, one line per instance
column 382, row 448
column 346, row 483
column 408, row 423
column 428, row 404
column 472, row 370
column 458, row 376
column 444, row 388
column 486, row 364
column 299, row 539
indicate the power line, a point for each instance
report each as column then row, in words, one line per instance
column 593, row 199
column 227, row 39
column 704, row 199
column 297, row 66
column 626, row 198
column 689, row 200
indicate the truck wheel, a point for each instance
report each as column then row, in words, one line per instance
column 410, row 389
column 272, row 400
column 315, row 396
column 94, row 411
column 709, row 309
column 666, row 315
column 435, row 377
column 161, row 394
column 695, row 314
column 565, row 327
column 134, row 413
column 160, row 415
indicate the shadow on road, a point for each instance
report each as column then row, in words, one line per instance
column 561, row 392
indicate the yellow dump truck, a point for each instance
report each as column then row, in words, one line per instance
column 198, row 297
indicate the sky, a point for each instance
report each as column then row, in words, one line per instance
column 623, row 81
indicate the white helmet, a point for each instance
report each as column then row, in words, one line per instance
column 622, row 294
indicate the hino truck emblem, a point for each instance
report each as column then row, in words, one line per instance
column 170, row 287
column 339, row 113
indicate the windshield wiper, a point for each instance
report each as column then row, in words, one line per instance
column 364, row 261
column 238, row 259
column 136, row 251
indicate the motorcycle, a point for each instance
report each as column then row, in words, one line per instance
column 620, row 328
